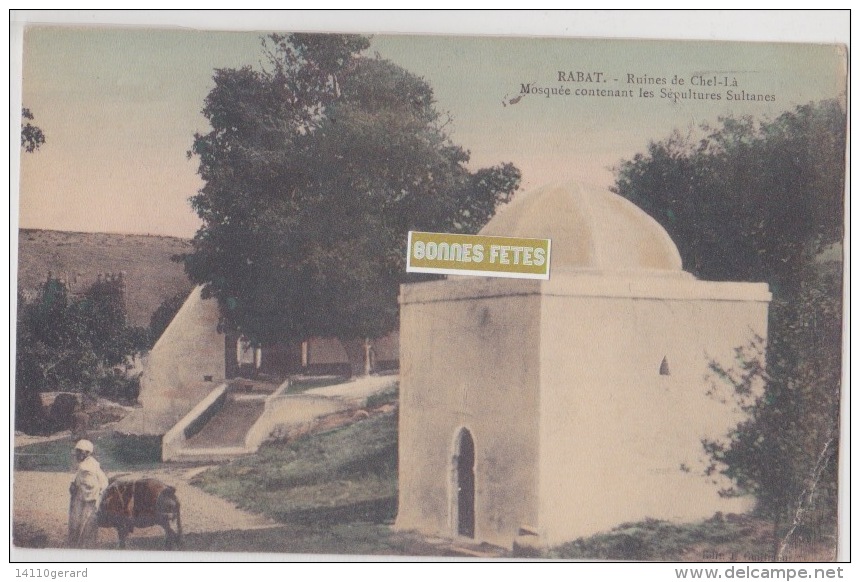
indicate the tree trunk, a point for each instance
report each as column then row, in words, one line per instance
column 369, row 357
column 776, row 540
column 361, row 356
column 355, row 353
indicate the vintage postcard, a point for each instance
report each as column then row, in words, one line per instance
column 295, row 293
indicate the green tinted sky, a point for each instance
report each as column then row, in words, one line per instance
column 120, row 106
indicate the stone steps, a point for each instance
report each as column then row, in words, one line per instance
column 234, row 430
column 227, row 429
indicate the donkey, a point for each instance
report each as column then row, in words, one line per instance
column 128, row 503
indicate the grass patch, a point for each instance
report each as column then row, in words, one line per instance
column 25, row 535
column 388, row 396
column 114, row 452
column 344, row 475
column 299, row 385
column 735, row 538
column 358, row 538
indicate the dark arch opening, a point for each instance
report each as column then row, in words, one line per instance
column 466, row 485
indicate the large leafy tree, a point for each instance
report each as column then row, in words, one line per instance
column 748, row 200
column 763, row 201
column 316, row 167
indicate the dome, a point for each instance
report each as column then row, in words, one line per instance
column 590, row 228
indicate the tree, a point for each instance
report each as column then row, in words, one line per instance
column 763, row 201
column 70, row 343
column 31, row 136
column 786, row 451
column 315, row 169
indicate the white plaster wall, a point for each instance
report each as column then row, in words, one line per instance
column 614, row 432
column 471, row 362
column 172, row 383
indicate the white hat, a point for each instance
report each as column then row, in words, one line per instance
column 84, row 445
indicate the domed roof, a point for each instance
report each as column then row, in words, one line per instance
column 590, row 228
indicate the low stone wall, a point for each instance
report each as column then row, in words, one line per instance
column 283, row 411
column 261, row 429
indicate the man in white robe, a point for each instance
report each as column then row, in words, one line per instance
column 86, row 491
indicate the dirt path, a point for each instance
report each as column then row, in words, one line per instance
column 41, row 502
column 40, row 499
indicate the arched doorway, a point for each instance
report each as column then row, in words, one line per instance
column 465, row 479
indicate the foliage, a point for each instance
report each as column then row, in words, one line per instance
column 305, row 383
column 32, row 137
column 70, row 343
column 786, row 452
column 390, row 395
column 764, row 201
column 105, row 326
column 748, row 201
column 315, row 169
column 164, row 314
column 347, row 474
column 730, row 538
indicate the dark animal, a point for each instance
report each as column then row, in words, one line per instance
column 129, row 503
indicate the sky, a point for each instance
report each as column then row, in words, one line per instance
column 120, row 106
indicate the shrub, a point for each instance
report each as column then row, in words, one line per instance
column 70, row 344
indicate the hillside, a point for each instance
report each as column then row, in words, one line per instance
column 151, row 277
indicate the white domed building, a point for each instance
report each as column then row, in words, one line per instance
column 548, row 410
